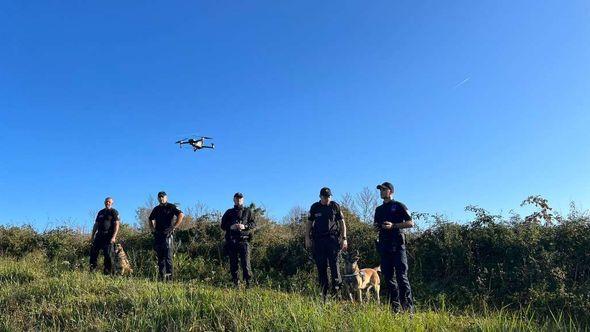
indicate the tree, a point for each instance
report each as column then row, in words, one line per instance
column 296, row 215
column 348, row 202
column 142, row 213
column 366, row 203
column 544, row 212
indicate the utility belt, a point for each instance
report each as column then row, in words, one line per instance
column 389, row 242
column 396, row 238
column 234, row 243
column 160, row 237
column 235, row 238
column 324, row 235
column 103, row 236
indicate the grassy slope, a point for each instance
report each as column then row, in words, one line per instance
column 34, row 296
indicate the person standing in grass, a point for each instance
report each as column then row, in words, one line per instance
column 162, row 225
column 238, row 224
column 104, row 235
column 325, row 235
column 391, row 218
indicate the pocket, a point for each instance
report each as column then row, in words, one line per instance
column 226, row 248
column 335, row 244
column 385, row 248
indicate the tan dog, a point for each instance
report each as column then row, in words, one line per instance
column 121, row 262
column 357, row 280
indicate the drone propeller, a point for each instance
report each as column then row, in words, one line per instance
column 205, row 137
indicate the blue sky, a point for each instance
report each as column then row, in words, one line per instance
column 456, row 103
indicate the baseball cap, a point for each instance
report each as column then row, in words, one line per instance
column 239, row 195
column 385, row 185
column 162, row 194
column 325, row 191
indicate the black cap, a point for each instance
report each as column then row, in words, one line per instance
column 239, row 195
column 162, row 194
column 385, row 185
column 326, row 192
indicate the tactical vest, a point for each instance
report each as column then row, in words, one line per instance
column 333, row 226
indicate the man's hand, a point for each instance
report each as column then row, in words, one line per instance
column 308, row 243
column 91, row 238
column 113, row 240
column 344, row 245
column 387, row 225
column 241, row 227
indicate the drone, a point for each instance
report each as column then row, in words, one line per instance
column 197, row 144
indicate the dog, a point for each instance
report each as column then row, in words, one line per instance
column 121, row 262
column 357, row 280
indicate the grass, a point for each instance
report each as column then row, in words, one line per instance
column 35, row 295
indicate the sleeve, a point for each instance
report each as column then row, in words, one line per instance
column 339, row 216
column 405, row 213
column 311, row 216
column 176, row 210
column 224, row 221
column 251, row 223
column 152, row 215
column 376, row 221
column 96, row 219
column 116, row 215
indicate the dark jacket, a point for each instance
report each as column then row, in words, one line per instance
column 238, row 215
column 394, row 212
column 325, row 220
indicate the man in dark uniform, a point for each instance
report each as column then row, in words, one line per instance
column 391, row 218
column 326, row 235
column 104, row 235
column 162, row 225
column 238, row 224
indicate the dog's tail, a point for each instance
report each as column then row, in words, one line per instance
column 378, row 269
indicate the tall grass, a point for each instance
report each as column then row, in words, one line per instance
column 37, row 295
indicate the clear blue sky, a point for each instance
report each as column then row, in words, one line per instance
column 456, row 103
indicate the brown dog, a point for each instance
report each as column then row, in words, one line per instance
column 121, row 262
column 357, row 280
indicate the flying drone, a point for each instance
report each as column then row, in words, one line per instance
column 197, row 144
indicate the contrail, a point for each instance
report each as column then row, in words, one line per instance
column 462, row 82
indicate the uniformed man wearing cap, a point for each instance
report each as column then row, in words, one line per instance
column 162, row 225
column 326, row 235
column 391, row 218
column 238, row 224
column 104, row 235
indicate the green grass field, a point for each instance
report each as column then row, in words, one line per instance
column 35, row 295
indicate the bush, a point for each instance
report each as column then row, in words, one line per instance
column 488, row 262
column 18, row 241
